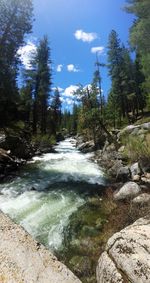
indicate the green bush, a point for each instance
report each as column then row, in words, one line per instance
column 45, row 140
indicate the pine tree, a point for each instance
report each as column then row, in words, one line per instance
column 56, row 111
column 139, row 83
column 15, row 22
column 115, row 68
column 42, row 88
column 139, row 34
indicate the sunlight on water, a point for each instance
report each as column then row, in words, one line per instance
column 42, row 198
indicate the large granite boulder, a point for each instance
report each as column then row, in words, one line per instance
column 127, row 255
column 128, row 191
column 22, row 259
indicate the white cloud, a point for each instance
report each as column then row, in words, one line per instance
column 72, row 68
column 69, row 101
column 26, row 53
column 59, row 68
column 84, row 36
column 69, row 91
column 60, row 89
column 97, row 49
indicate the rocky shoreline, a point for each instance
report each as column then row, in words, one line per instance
column 128, row 186
column 16, row 150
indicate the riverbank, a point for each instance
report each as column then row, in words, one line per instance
column 16, row 149
column 127, row 198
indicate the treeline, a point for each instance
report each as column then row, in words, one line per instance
column 34, row 105
column 38, row 107
column 129, row 70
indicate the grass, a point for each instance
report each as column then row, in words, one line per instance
column 137, row 148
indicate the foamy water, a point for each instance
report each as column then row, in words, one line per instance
column 45, row 194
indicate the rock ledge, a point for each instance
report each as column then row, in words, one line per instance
column 24, row 260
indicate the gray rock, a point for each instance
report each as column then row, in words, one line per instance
column 114, row 169
column 136, row 178
column 127, row 130
column 128, row 191
column 25, row 260
column 144, row 164
column 87, row 147
column 121, row 149
column 127, row 255
column 145, row 180
column 146, row 126
column 135, row 169
column 142, row 199
column 123, row 174
column 135, row 130
column 105, row 274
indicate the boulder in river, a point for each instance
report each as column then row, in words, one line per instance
column 127, row 255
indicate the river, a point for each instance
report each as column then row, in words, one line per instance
column 48, row 190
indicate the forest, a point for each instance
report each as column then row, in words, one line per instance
column 35, row 107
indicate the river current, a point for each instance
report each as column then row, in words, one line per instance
column 48, row 190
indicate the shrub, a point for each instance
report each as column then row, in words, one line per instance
column 43, row 141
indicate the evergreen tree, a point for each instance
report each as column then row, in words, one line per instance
column 42, row 74
column 139, row 34
column 139, row 79
column 15, row 22
column 122, row 73
column 75, row 118
column 115, row 68
column 56, row 111
column 25, row 104
column 112, row 110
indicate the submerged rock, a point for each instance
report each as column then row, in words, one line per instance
column 127, row 255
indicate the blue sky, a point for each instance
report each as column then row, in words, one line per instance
column 74, row 27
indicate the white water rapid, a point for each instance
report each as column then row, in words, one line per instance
column 47, row 192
